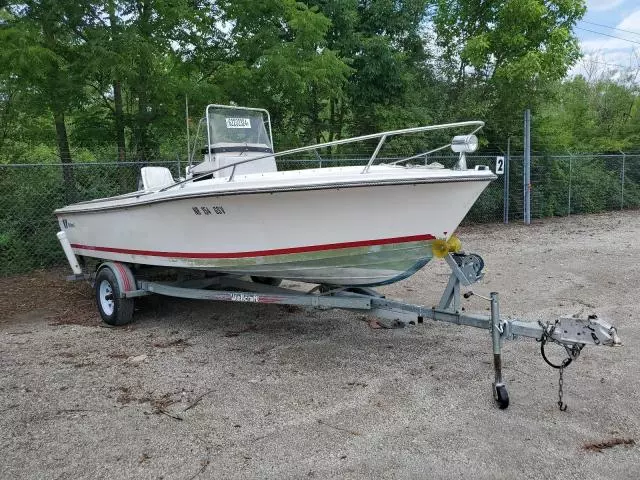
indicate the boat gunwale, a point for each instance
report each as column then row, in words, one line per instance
column 180, row 194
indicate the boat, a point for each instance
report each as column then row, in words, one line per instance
column 237, row 213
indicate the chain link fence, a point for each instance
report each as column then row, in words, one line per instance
column 564, row 185
column 560, row 185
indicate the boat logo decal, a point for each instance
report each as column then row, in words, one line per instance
column 238, row 122
column 67, row 224
column 217, row 210
column 245, row 297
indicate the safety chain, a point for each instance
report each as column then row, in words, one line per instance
column 573, row 352
column 561, row 405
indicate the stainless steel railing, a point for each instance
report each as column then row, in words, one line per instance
column 383, row 136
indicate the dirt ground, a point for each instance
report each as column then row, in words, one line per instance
column 196, row 389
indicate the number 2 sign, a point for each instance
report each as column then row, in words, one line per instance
column 499, row 165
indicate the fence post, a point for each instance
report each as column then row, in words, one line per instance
column 622, row 182
column 186, row 120
column 526, row 177
column 505, row 178
column 570, row 174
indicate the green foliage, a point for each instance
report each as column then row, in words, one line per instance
column 281, row 61
column 582, row 116
column 507, row 51
column 114, row 74
column 27, row 226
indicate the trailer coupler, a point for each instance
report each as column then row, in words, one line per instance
column 573, row 334
column 570, row 331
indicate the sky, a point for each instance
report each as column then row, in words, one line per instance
column 604, row 20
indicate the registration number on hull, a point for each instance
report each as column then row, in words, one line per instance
column 203, row 210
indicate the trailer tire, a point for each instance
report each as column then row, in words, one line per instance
column 113, row 309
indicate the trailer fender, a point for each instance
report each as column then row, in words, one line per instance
column 124, row 276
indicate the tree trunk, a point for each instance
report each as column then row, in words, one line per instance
column 65, row 153
column 5, row 117
column 141, row 133
column 314, row 116
column 117, row 99
column 144, row 67
column 57, row 105
column 117, row 87
column 336, row 118
column 332, row 119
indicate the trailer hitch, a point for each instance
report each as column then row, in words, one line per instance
column 573, row 334
column 584, row 331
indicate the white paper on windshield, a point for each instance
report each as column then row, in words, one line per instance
column 238, row 122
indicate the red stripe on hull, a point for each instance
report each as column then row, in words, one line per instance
column 258, row 253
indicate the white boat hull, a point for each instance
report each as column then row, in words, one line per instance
column 353, row 235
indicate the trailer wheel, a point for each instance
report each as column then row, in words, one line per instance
column 274, row 282
column 501, row 396
column 113, row 309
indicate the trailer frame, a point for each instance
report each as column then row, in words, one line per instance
column 116, row 288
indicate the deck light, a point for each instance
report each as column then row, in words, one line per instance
column 464, row 143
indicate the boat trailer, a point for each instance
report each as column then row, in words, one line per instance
column 116, row 288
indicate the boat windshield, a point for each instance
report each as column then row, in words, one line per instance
column 238, row 126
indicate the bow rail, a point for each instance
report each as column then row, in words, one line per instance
column 383, row 136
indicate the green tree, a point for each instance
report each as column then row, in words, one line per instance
column 582, row 116
column 386, row 45
column 500, row 56
column 39, row 53
column 279, row 59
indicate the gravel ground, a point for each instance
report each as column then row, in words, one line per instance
column 210, row 390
